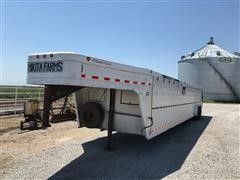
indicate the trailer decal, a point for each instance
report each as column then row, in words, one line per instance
column 45, row 66
column 117, row 80
column 107, row 78
column 95, row 77
column 83, row 75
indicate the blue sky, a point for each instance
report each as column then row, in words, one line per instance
column 152, row 35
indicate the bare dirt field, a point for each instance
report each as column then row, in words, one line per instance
column 205, row 149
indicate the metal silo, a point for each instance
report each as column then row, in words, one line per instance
column 216, row 70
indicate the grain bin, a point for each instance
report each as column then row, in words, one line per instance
column 216, row 70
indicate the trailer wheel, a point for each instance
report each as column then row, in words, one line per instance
column 91, row 115
column 32, row 125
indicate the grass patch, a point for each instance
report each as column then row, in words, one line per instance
column 9, row 92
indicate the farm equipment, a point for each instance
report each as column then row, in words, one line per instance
column 32, row 115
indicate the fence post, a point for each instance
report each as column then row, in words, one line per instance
column 39, row 93
column 16, row 97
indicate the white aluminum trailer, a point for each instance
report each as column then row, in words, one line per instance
column 114, row 96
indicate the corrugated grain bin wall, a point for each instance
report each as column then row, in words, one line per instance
column 216, row 70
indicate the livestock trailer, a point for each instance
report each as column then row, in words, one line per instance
column 112, row 96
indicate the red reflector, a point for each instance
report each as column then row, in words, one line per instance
column 106, row 78
column 126, row 81
column 94, row 77
column 117, row 80
column 135, row 82
column 143, row 83
column 83, row 75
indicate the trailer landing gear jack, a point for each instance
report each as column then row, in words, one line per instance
column 111, row 119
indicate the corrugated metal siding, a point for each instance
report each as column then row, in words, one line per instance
column 196, row 69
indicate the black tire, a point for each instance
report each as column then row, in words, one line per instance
column 91, row 115
column 32, row 125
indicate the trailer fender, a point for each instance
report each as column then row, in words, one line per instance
column 197, row 112
column 145, row 105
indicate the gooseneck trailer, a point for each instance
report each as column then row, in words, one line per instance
column 112, row 96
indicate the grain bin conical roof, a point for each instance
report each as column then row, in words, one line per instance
column 209, row 50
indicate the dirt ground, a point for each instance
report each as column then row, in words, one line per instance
column 15, row 143
column 207, row 149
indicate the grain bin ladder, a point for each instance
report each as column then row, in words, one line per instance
column 222, row 77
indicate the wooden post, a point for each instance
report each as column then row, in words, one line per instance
column 16, row 97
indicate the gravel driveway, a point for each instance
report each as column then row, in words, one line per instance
column 208, row 148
